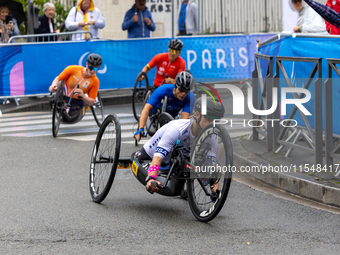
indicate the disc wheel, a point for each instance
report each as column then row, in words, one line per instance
column 58, row 108
column 163, row 119
column 104, row 158
column 98, row 111
column 140, row 91
column 207, row 191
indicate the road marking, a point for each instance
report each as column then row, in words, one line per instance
column 37, row 124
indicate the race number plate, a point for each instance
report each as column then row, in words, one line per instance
column 134, row 167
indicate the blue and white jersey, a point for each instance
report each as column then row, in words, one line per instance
column 165, row 139
column 174, row 105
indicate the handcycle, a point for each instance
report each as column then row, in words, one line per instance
column 207, row 191
column 142, row 93
column 68, row 113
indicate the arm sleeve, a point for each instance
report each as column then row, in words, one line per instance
column 329, row 25
column 157, row 96
column 100, row 22
column 182, row 66
column 41, row 29
column 190, row 101
column 153, row 26
column 15, row 26
column 69, row 22
column 154, row 61
column 313, row 23
column 127, row 23
column 167, row 142
column 94, row 89
column 66, row 73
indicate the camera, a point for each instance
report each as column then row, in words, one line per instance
column 8, row 19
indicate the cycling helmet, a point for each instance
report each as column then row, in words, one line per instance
column 214, row 109
column 185, row 80
column 94, row 59
column 176, row 44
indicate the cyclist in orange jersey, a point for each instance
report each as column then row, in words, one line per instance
column 78, row 82
column 85, row 77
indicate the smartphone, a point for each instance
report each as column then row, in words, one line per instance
column 8, row 19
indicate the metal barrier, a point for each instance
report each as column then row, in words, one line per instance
column 278, row 138
column 64, row 36
column 331, row 148
column 266, row 95
column 315, row 144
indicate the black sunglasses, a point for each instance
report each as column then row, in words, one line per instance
column 183, row 90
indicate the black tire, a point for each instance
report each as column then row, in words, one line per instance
column 163, row 119
column 104, row 158
column 139, row 93
column 184, row 193
column 58, row 108
column 200, row 197
column 148, row 94
column 98, row 111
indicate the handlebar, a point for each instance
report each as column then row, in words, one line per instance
column 166, row 77
column 68, row 104
column 155, row 185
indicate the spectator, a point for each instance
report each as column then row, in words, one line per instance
column 46, row 23
column 187, row 18
column 335, row 5
column 138, row 21
column 309, row 21
column 8, row 25
column 85, row 17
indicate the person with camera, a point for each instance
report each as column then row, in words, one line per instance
column 8, row 25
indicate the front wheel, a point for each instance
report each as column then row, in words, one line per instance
column 208, row 190
column 58, row 108
column 98, row 111
column 104, row 158
column 140, row 90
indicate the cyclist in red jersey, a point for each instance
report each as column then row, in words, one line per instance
column 169, row 64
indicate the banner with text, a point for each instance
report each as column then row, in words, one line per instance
column 29, row 69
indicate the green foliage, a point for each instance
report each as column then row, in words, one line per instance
column 60, row 13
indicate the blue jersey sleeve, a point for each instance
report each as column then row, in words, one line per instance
column 189, row 103
column 159, row 94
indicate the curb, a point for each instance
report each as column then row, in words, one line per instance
column 45, row 106
column 300, row 186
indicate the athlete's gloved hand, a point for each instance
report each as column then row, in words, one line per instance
column 139, row 134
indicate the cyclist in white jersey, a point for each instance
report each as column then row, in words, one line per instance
column 160, row 146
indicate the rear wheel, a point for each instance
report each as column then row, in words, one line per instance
column 104, row 158
column 98, row 111
column 208, row 190
column 140, row 91
column 58, row 108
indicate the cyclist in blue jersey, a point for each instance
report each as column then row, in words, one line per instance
column 179, row 97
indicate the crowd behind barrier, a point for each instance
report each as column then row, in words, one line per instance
column 29, row 68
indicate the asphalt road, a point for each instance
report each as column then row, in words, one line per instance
column 46, row 208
